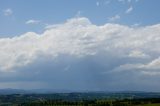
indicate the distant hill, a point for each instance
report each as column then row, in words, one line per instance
column 12, row 91
column 33, row 91
column 92, row 94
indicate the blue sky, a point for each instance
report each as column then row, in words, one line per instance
column 144, row 12
column 80, row 45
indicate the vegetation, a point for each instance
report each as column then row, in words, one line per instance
column 79, row 99
column 100, row 102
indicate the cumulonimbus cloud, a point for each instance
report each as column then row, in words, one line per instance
column 78, row 37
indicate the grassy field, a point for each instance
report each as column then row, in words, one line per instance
column 156, row 104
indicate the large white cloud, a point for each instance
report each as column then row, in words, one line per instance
column 79, row 37
column 84, row 56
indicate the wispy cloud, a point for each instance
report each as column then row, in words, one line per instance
column 122, row 1
column 33, row 21
column 7, row 12
column 129, row 1
column 114, row 18
column 130, row 9
column 103, row 3
column 97, row 3
column 136, row 24
column 107, row 2
column 138, row 54
column 78, row 14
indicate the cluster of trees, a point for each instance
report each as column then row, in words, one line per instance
column 96, row 102
column 75, row 99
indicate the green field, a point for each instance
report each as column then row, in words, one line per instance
column 154, row 104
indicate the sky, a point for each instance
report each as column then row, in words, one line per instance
column 79, row 45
